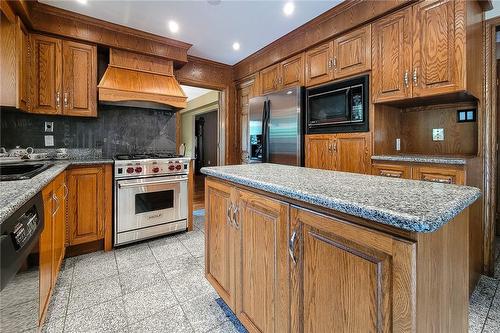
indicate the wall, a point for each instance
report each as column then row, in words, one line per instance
column 116, row 130
column 202, row 104
column 209, row 138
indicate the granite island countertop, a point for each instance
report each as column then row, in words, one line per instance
column 411, row 205
column 431, row 159
column 14, row 194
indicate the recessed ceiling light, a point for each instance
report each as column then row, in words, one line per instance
column 289, row 8
column 236, row 46
column 173, row 26
column 83, row 2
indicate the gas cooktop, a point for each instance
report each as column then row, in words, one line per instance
column 144, row 156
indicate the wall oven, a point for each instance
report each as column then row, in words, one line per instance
column 338, row 107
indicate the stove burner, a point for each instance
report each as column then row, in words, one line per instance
column 145, row 156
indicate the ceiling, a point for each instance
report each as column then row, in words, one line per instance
column 212, row 26
column 194, row 92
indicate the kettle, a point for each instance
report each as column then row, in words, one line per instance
column 20, row 152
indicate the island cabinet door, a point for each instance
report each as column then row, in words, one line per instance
column 346, row 278
column 262, row 271
column 219, row 240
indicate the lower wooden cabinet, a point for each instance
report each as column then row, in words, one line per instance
column 348, row 152
column 391, row 170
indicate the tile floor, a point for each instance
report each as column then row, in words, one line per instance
column 159, row 286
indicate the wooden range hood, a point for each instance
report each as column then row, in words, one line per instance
column 140, row 80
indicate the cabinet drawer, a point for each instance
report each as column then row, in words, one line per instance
column 439, row 175
column 391, row 170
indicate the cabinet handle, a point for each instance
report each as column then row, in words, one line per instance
column 335, row 146
column 228, row 214
column 66, row 191
column 415, row 77
column 330, row 63
column 54, row 196
column 291, row 246
column 335, row 63
column 439, row 180
column 65, row 99
column 58, row 99
column 390, row 174
column 235, row 217
column 281, row 80
column 330, row 148
column 406, row 79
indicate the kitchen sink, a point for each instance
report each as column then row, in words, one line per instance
column 19, row 171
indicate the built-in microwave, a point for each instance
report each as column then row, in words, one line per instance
column 338, row 107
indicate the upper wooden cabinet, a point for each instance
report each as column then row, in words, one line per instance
column 14, row 64
column 319, row 64
column 426, row 50
column 63, row 77
column 288, row 73
column 352, row 53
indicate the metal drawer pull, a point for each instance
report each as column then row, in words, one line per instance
column 439, row 180
column 291, row 246
column 235, row 217
column 228, row 214
column 58, row 99
column 159, row 182
column 415, row 77
column 66, row 190
column 390, row 174
column 65, row 99
column 54, row 196
column 406, row 79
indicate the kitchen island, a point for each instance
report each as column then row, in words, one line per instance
column 297, row 249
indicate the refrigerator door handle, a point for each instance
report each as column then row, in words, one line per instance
column 265, row 130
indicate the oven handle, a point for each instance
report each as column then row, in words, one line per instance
column 158, row 182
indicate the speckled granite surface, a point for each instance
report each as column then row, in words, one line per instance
column 421, row 159
column 407, row 204
column 13, row 194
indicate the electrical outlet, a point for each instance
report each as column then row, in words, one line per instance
column 438, row 134
column 49, row 141
column 49, row 126
column 398, row 144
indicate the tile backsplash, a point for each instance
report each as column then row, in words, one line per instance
column 115, row 130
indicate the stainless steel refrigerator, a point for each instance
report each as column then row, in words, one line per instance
column 275, row 128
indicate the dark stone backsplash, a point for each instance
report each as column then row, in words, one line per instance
column 116, row 130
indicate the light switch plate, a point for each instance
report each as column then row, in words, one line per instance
column 398, row 144
column 49, row 141
column 49, row 126
column 438, row 134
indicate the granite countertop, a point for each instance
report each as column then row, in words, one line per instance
column 14, row 194
column 406, row 204
column 422, row 159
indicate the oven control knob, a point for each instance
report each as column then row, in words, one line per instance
column 138, row 169
column 130, row 170
column 178, row 166
column 171, row 167
column 156, row 169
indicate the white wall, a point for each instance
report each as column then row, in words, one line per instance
column 495, row 11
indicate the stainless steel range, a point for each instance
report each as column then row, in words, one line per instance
column 151, row 196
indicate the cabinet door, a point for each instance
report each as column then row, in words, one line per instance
column 319, row 64
column 346, row 278
column 219, row 240
column 352, row 53
column 85, row 204
column 46, row 75
column 434, row 62
column 244, row 92
column 439, row 175
column 319, row 152
column 262, row 287
column 391, row 57
column 269, row 79
column 46, row 250
column 59, row 223
column 79, row 79
column 391, row 170
column 352, row 152
column 292, row 72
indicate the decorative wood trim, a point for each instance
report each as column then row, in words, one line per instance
column 341, row 18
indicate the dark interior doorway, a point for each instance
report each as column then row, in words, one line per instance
column 206, row 140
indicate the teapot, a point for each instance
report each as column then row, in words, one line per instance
column 20, row 152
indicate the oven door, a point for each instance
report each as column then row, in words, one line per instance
column 148, row 202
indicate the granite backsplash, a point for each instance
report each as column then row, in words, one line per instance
column 116, row 130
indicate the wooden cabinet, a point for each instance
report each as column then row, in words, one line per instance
column 63, row 77
column 288, row 73
column 352, row 53
column 391, row 170
column 360, row 277
column 391, row 57
column 262, row 287
column 319, row 64
column 86, row 204
column 349, row 152
column 219, row 238
column 14, row 64
column 439, row 174
column 244, row 91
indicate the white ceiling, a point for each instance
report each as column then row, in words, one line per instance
column 212, row 26
column 193, row 92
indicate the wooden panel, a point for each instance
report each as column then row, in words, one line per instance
column 46, row 75
column 79, row 79
column 292, row 71
column 391, row 170
column 417, row 124
column 244, row 91
column 269, row 79
column 262, row 269
column 108, row 207
column 352, row 152
column 434, row 64
column 205, row 73
column 59, row 223
column 219, row 241
column 319, row 151
column 23, row 67
column 352, row 53
column 447, row 175
column 391, row 57
column 8, row 61
column 45, row 250
column 140, row 62
column 386, row 129
column 319, row 64
column 85, row 205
